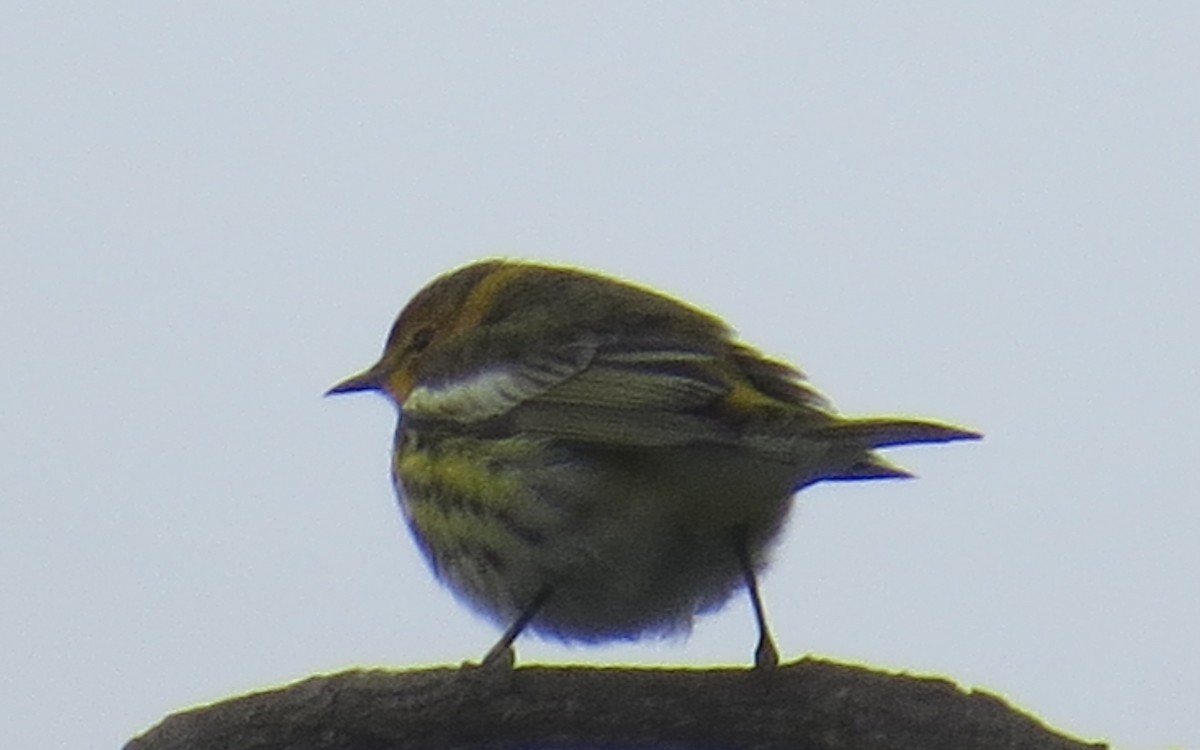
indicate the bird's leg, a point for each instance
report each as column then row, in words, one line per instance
column 502, row 653
column 766, row 655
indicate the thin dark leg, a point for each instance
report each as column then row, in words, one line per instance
column 502, row 652
column 766, row 655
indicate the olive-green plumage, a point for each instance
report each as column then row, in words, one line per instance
column 596, row 460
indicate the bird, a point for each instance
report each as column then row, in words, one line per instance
column 594, row 460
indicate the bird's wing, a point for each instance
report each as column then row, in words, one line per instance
column 644, row 395
column 494, row 390
column 629, row 392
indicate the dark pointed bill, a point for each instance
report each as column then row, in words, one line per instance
column 368, row 380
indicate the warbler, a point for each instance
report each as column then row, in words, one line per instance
column 595, row 460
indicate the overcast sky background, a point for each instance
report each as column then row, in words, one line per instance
column 210, row 212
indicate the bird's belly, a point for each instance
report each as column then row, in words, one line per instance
column 627, row 542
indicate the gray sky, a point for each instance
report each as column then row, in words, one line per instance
column 210, row 212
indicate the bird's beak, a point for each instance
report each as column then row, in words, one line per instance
column 367, row 380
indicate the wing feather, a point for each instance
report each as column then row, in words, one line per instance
column 634, row 393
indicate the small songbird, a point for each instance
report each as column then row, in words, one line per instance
column 595, row 460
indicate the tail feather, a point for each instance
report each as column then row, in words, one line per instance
column 881, row 432
column 871, row 466
column 864, row 435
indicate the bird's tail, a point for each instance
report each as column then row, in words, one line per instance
column 881, row 432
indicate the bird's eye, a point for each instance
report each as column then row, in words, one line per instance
column 421, row 340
